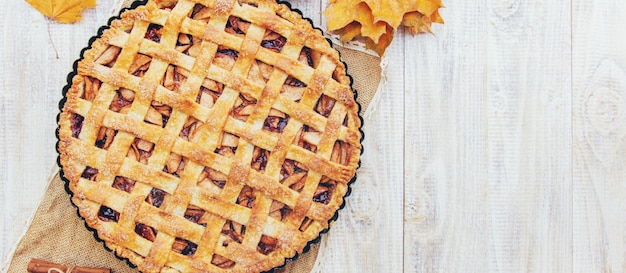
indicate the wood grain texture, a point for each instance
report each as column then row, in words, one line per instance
column 31, row 82
column 599, row 115
column 374, row 208
column 445, row 126
column 529, row 136
column 498, row 143
column 488, row 141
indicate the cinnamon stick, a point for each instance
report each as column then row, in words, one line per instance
column 41, row 266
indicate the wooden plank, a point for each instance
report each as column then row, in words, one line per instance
column 488, row 141
column 32, row 79
column 599, row 70
column 529, row 137
column 368, row 234
column 445, row 134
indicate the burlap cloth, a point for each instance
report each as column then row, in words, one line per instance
column 57, row 234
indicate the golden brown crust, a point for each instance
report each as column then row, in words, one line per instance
column 213, row 135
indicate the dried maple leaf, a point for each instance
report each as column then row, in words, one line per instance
column 375, row 21
column 62, row 11
column 345, row 12
column 416, row 22
column 383, row 42
column 391, row 11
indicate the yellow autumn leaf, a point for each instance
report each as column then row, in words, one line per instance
column 415, row 22
column 344, row 12
column 383, row 42
column 62, row 11
column 375, row 21
column 391, row 11
column 349, row 32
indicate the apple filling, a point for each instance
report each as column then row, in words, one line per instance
column 234, row 232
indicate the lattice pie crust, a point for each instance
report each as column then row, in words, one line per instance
column 213, row 136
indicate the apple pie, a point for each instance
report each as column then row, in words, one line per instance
column 209, row 135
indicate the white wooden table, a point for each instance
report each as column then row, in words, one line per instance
column 498, row 144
